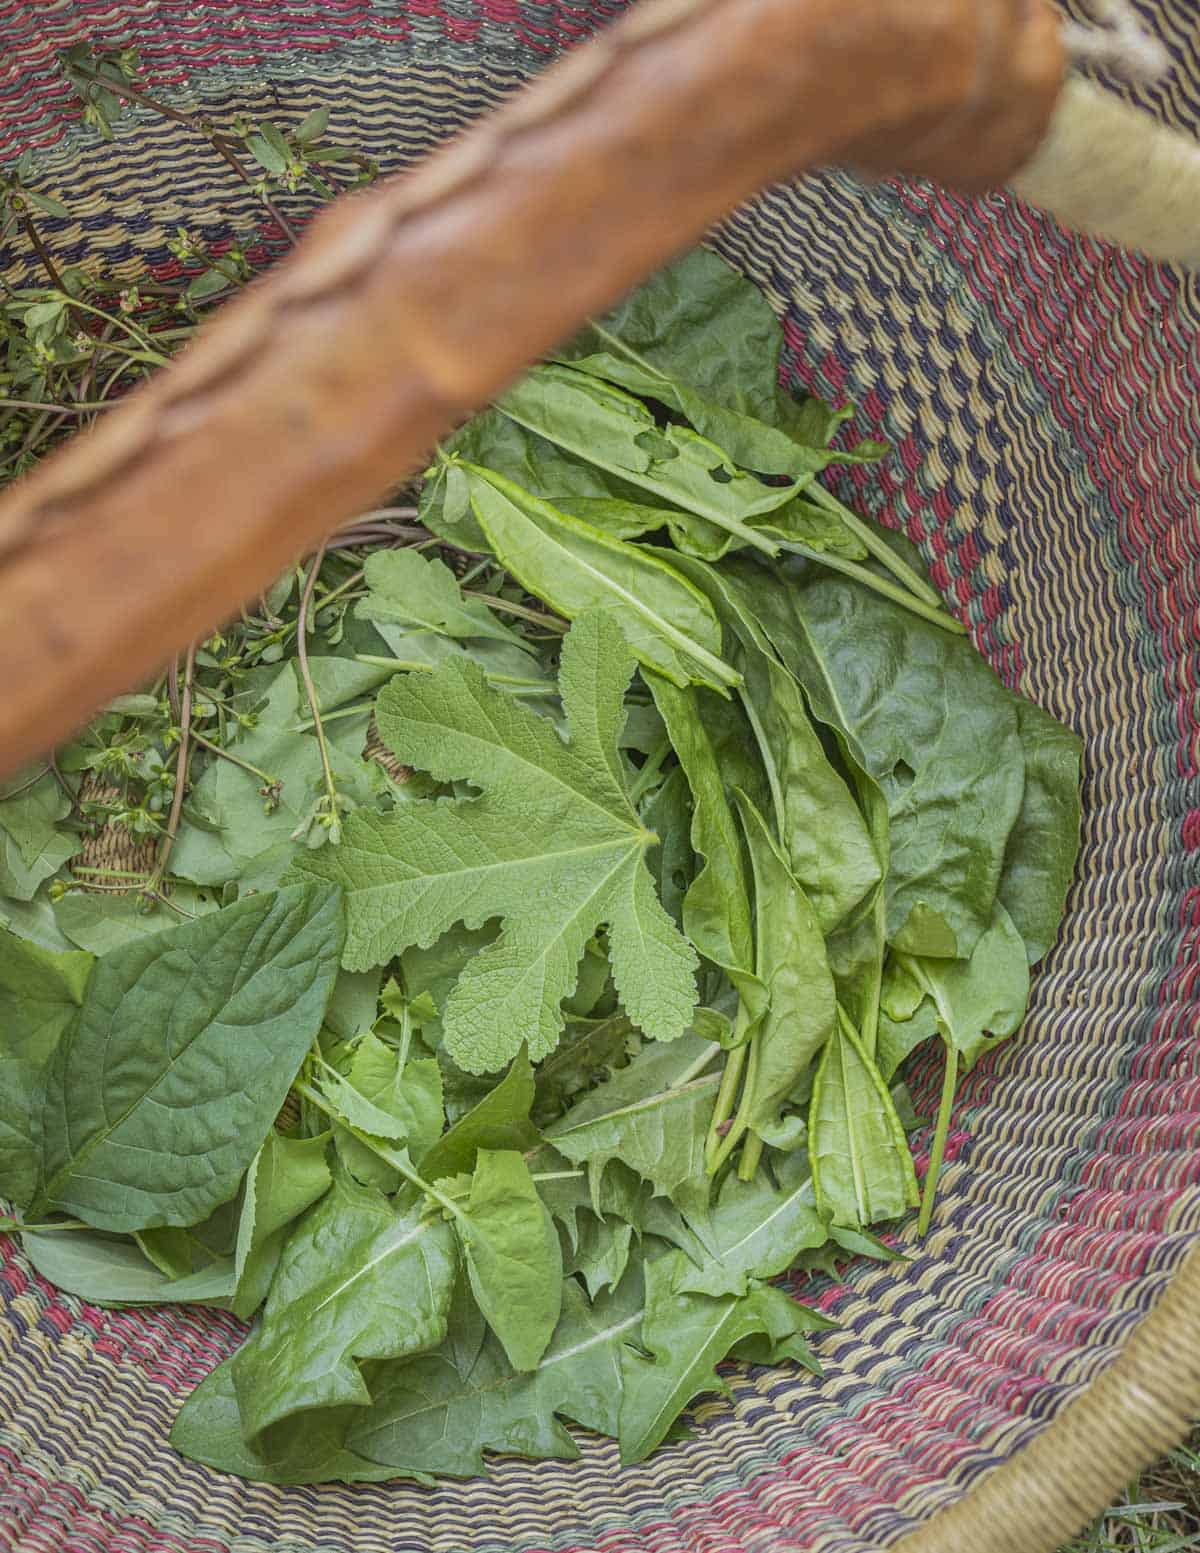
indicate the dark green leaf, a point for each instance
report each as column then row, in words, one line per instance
column 22, row 1087
column 190, row 1039
column 589, row 1051
column 1040, row 859
column 499, row 1121
column 108, row 1270
column 40, row 993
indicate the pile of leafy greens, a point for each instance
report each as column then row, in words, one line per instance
column 496, row 1089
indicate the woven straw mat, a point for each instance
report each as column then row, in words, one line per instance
column 1041, row 394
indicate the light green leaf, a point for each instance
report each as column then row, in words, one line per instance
column 305, row 1449
column 100, row 923
column 652, row 1116
column 601, row 1252
column 190, row 1040
column 668, row 624
column 40, row 994
column 499, row 1121
column 513, row 1257
column 360, row 1279
column 980, row 1002
column 423, row 594
column 553, row 848
column 20, row 879
column 441, row 1412
column 288, row 1175
column 801, row 1006
column 107, row 1270
column 862, row 1169
column 686, row 1336
column 759, row 1229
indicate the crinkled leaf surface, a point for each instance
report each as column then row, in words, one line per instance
column 190, row 1039
column 441, row 1412
column 512, row 1255
column 927, row 718
column 360, row 1278
column 553, row 848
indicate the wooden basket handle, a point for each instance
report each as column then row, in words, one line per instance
column 410, row 306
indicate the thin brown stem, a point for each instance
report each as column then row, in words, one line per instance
column 310, row 690
column 43, row 253
column 225, row 150
column 181, row 770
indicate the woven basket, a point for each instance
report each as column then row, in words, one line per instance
column 1042, row 395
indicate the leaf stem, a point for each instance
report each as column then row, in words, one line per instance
column 938, row 1151
column 181, row 771
column 513, row 683
column 880, row 585
column 234, row 760
column 648, row 773
column 751, row 1155
column 310, row 690
column 875, row 543
column 714, row 1144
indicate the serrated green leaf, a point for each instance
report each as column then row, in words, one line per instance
column 190, row 1040
column 439, row 1415
column 312, row 126
column 590, row 1050
column 288, row 1175
column 652, row 1116
column 360, row 1279
column 40, row 994
column 601, row 1252
column 553, row 848
column 267, row 154
column 686, row 1336
column 759, row 1228
column 512, row 1255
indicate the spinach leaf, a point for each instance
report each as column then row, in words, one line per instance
column 40, row 994
column 360, row 1278
column 109, row 1270
column 288, row 1175
column 862, row 1170
column 402, row 1104
column 190, row 1039
column 553, row 848
column 801, row 1008
column 512, row 1255
column 927, row 719
column 575, row 568
column 1040, row 858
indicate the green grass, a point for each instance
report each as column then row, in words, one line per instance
column 1159, row 1513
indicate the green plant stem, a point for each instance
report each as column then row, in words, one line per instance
column 234, row 760
column 723, row 1108
column 646, row 776
column 875, row 543
column 397, row 1160
column 535, row 616
column 741, row 1120
column 938, row 1151
column 79, row 407
column 880, row 585
column 181, row 771
column 751, row 1155
column 157, row 359
column 310, row 689
column 514, row 684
